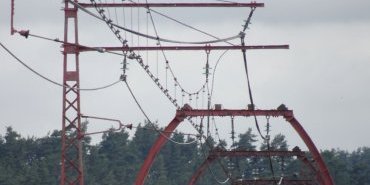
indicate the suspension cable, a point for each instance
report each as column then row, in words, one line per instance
column 269, row 149
column 168, row 66
column 210, row 169
column 104, row 18
column 267, row 138
column 52, row 81
column 182, row 23
column 150, row 122
column 138, row 58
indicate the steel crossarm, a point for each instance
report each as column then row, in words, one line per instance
column 181, row 48
column 174, row 5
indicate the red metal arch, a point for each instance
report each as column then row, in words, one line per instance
column 323, row 172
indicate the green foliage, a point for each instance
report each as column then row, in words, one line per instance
column 117, row 159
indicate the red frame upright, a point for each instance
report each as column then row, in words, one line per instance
column 72, row 133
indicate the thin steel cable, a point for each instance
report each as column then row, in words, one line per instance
column 52, row 81
column 245, row 27
column 132, row 27
column 150, row 122
column 182, row 23
column 100, row 50
column 269, row 152
column 214, row 71
column 138, row 58
column 124, row 20
column 208, row 167
column 152, row 37
column 233, row 2
column 167, row 61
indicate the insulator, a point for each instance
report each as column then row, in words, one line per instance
column 101, row 50
column 101, row 11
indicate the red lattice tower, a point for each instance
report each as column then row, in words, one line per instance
column 72, row 134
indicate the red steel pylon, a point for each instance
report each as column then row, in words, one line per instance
column 72, row 134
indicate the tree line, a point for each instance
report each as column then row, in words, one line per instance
column 117, row 159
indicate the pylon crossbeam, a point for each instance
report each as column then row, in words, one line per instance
column 182, row 48
column 173, row 5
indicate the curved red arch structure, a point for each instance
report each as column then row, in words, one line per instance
column 322, row 171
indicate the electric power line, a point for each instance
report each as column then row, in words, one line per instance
column 52, row 81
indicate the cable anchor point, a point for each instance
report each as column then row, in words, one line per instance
column 24, row 33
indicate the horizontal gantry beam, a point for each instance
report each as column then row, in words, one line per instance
column 237, row 112
column 173, row 5
column 182, row 48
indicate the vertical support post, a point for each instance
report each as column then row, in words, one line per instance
column 12, row 30
column 72, row 133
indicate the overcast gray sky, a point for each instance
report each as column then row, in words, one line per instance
column 324, row 76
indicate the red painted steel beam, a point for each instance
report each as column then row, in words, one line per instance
column 178, row 48
column 173, row 5
column 161, row 140
column 323, row 172
column 203, row 167
column 234, row 112
column 12, row 30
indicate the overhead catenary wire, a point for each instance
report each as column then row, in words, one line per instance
column 150, row 122
column 83, row 89
column 159, row 85
column 182, row 23
column 267, row 138
column 210, row 169
column 167, row 65
column 102, row 18
column 52, row 81
column 128, row 126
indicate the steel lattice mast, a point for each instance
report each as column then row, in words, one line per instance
column 72, row 134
